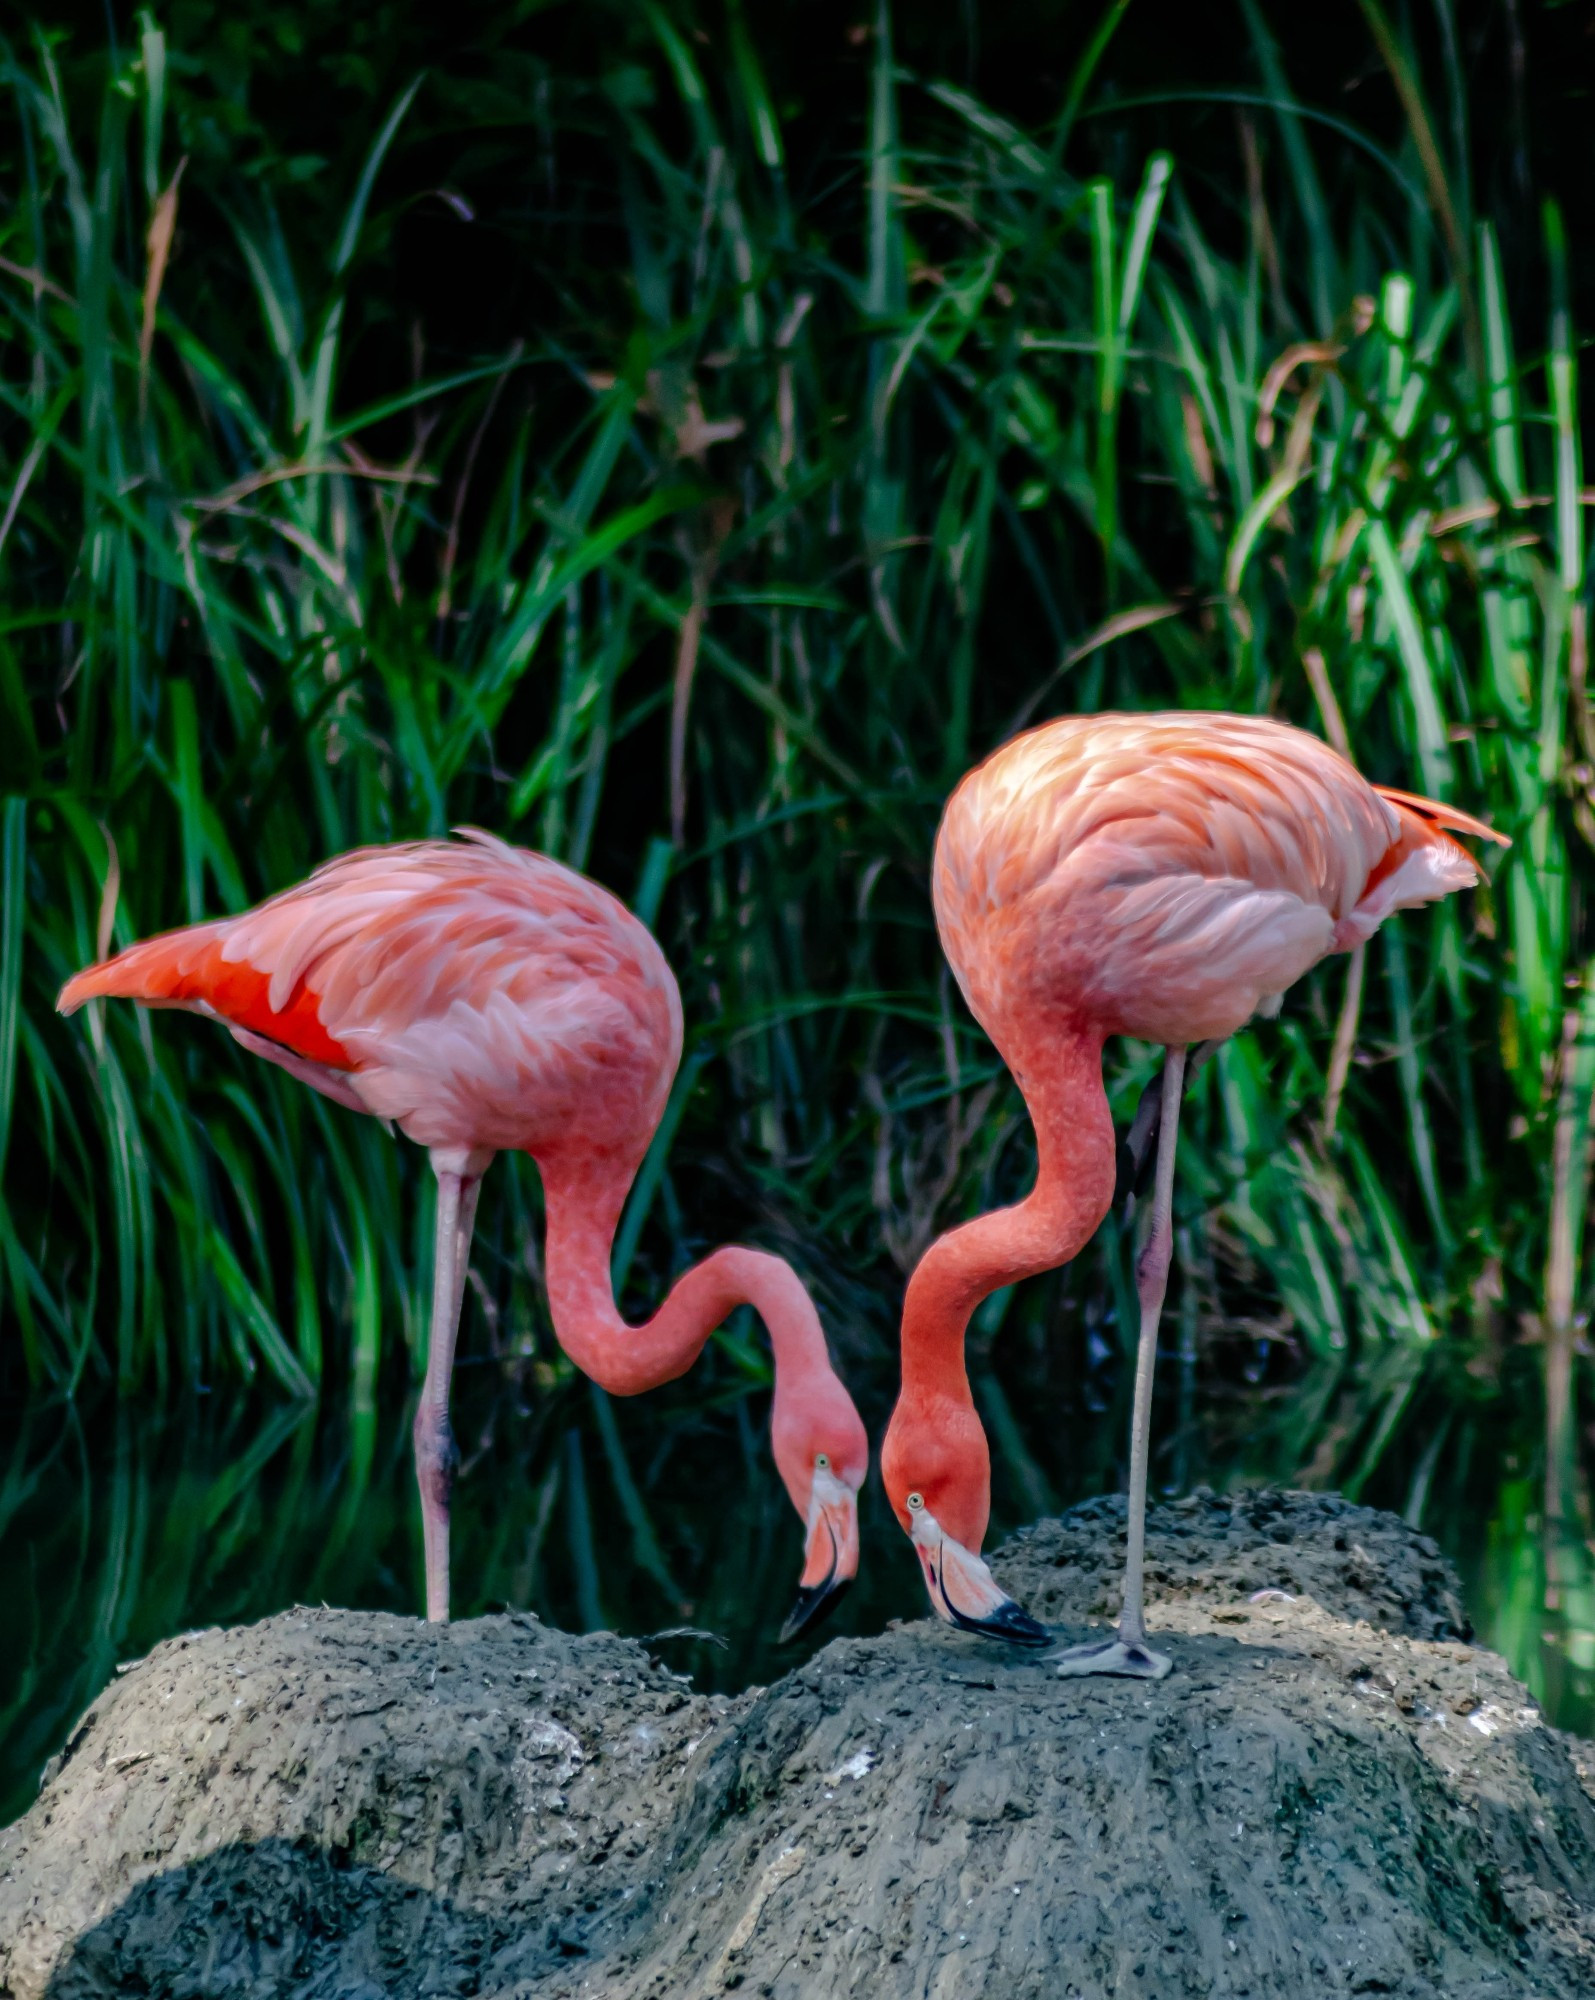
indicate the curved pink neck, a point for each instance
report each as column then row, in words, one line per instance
column 1062, row 1084
column 584, row 1194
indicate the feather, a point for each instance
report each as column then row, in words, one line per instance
column 1165, row 876
column 475, row 993
column 1443, row 815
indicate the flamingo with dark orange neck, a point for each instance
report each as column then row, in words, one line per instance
column 1165, row 877
column 487, row 999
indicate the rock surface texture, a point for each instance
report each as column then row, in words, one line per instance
column 1333, row 1793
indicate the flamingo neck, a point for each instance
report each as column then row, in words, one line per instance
column 583, row 1195
column 1061, row 1078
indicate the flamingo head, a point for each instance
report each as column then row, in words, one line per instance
column 822, row 1454
column 937, row 1473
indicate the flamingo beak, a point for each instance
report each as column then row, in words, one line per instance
column 831, row 1559
column 965, row 1593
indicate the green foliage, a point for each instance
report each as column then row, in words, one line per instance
column 809, row 476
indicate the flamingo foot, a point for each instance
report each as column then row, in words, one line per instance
column 1135, row 1661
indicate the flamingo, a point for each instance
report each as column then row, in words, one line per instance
column 486, row 998
column 1159, row 876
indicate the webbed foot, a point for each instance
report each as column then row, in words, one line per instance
column 1113, row 1656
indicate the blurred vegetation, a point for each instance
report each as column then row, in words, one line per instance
column 684, row 440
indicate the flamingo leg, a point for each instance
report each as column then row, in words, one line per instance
column 435, row 1455
column 1129, row 1653
column 465, row 1229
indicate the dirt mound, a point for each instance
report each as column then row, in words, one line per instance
column 353, row 1805
column 1353, row 1562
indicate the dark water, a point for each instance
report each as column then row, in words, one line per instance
column 120, row 1525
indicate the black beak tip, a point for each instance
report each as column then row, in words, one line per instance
column 815, row 1603
column 1011, row 1623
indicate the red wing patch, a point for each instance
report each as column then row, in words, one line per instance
column 181, row 969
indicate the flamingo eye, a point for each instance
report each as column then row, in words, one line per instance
column 915, row 1502
column 822, row 1461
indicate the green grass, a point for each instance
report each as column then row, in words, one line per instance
column 806, row 479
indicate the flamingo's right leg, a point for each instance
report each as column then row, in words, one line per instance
column 435, row 1455
column 1129, row 1653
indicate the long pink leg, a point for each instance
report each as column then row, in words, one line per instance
column 1129, row 1652
column 435, row 1455
column 465, row 1229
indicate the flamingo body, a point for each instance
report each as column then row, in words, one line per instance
column 1165, row 877
column 1169, row 876
column 488, row 999
column 483, row 997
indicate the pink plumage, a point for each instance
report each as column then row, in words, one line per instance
column 479, row 995
column 1168, row 876
column 489, row 999
column 1160, row 876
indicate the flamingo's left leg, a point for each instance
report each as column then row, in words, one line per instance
column 459, row 1182
column 1129, row 1652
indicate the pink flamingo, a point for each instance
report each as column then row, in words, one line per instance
column 1160, row 876
column 485, row 998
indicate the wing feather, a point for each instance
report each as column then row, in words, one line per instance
column 478, row 993
column 190, row 968
column 1170, row 874
column 1450, row 817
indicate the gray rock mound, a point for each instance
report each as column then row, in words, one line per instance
column 1354, row 1562
column 1330, row 1795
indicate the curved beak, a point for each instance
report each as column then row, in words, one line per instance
column 965, row 1593
column 831, row 1558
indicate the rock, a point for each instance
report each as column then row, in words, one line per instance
column 1333, row 1793
column 1354, row 1562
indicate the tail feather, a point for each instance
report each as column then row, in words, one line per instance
column 1421, row 865
column 160, row 968
column 1442, row 815
column 188, row 968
